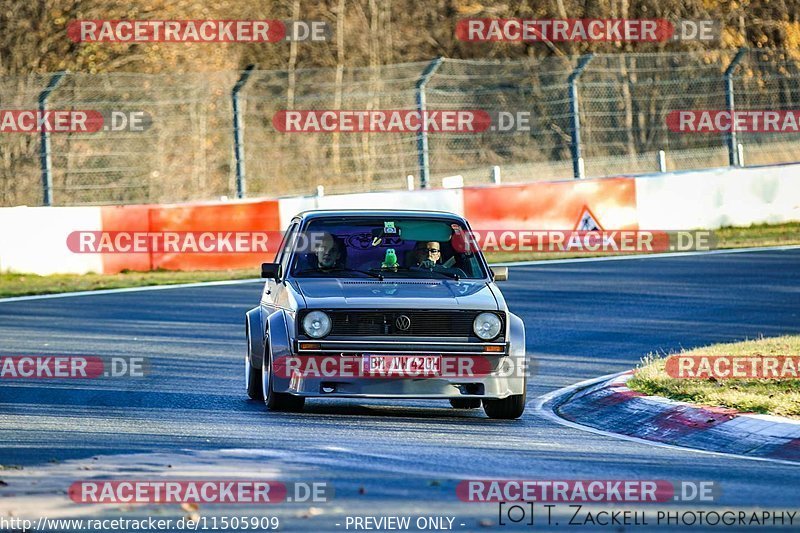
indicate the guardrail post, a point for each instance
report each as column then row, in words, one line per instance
column 733, row 157
column 422, row 135
column 662, row 161
column 577, row 167
column 45, row 161
column 238, row 132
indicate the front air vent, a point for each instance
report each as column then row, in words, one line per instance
column 403, row 323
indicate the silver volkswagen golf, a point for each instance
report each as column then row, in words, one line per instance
column 384, row 304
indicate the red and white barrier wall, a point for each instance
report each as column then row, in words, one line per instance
column 34, row 239
column 556, row 205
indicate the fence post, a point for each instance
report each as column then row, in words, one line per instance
column 577, row 167
column 422, row 135
column 733, row 158
column 238, row 132
column 662, row 161
column 496, row 175
column 45, row 160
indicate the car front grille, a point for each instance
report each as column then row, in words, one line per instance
column 420, row 323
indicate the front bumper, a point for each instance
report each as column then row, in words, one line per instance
column 504, row 375
column 410, row 346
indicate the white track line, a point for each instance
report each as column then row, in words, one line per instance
column 546, row 411
column 651, row 256
column 129, row 289
column 515, row 264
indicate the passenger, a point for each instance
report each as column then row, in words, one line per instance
column 427, row 254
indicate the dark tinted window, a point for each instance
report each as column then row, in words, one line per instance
column 391, row 248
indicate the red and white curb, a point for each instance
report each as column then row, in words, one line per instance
column 611, row 406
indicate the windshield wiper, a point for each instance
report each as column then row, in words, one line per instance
column 378, row 275
column 336, row 270
column 366, row 272
column 451, row 275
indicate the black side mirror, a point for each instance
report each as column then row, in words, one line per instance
column 271, row 270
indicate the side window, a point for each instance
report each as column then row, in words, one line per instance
column 284, row 243
column 286, row 248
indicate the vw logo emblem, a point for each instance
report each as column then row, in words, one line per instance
column 403, row 323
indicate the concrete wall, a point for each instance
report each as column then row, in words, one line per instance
column 711, row 199
column 34, row 239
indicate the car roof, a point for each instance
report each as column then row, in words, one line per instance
column 384, row 213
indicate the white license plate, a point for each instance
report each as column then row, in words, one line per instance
column 402, row 365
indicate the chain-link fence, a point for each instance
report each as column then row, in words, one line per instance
column 280, row 164
column 621, row 102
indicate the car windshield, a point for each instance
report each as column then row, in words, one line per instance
column 386, row 248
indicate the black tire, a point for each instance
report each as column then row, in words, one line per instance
column 254, row 383
column 277, row 401
column 465, row 403
column 506, row 409
column 252, row 376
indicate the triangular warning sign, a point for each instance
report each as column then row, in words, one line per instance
column 588, row 222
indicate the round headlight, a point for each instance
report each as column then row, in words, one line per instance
column 317, row 324
column 487, row 326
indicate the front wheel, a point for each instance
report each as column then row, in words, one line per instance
column 507, row 408
column 277, row 401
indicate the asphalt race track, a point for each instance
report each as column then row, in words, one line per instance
column 583, row 320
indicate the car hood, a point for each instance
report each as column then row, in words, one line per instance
column 396, row 294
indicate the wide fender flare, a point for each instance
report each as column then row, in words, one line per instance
column 516, row 340
column 278, row 340
column 255, row 330
column 263, row 328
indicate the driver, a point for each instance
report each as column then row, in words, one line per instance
column 427, row 254
column 328, row 252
